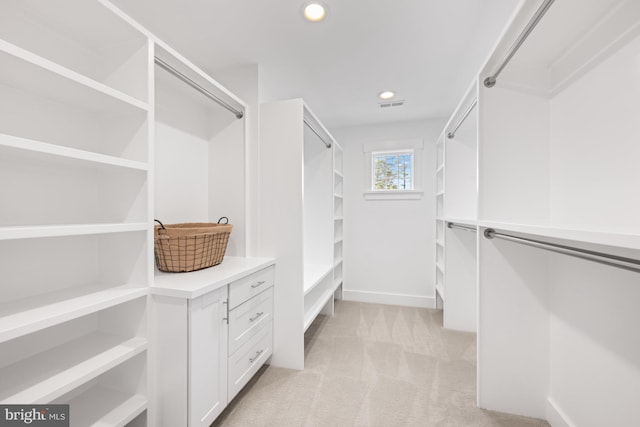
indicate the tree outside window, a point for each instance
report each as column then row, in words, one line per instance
column 392, row 170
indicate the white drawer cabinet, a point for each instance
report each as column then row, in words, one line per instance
column 250, row 286
column 245, row 362
column 248, row 319
column 208, row 341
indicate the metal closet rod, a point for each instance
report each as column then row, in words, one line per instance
column 239, row 114
column 314, row 130
column 461, row 227
column 452, row 132
column 600, row 257
column 546, row 4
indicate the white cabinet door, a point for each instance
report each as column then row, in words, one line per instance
column 207, row 358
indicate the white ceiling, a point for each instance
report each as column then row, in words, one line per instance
column 427, row 51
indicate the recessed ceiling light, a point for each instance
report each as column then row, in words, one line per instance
column 314, row 12
column 387, row 94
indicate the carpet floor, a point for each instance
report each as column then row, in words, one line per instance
column 372, row 365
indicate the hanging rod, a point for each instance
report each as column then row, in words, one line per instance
column 452, row 133
column 600, row 257
column 314, row 130
column 546, row 4
column 239, row 114
column 461, row 227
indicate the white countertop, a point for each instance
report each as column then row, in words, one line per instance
column 197, row 283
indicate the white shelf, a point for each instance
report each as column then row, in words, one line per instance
column 339, row 196
column 28, row 315
column 48, row 375
column 440, row 169
column 29, row 232
column 440, row 243
column 316, row 308
column 440, row 194
column 440, row 267
column 338, row 174
column 197, row 283
column 440, row 290
column 336, row 283
column 313, row 275
column 337, row 262
column 102, row 407
column 613, row 239
column 37, row 150
column 337, row 240
column 32, row 73
column 338, row 218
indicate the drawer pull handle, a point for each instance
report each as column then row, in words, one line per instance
column 260, row 283
column 256, row 316
column 254, row 358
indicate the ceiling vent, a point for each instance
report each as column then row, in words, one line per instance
column 391, row 104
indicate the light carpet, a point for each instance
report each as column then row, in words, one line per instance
column 372, row 365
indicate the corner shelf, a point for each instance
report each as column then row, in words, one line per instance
column 21, row 317
column 100, row 406
column 49, row 375
column 57, row 153
column 28, row 232
column 27, row 71
column 440, row 290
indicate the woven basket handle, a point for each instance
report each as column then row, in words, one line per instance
column 161, row 224
column 221, row 218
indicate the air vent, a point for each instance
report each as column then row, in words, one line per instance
column 391, row 104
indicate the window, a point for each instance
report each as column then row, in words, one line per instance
column 392, row 170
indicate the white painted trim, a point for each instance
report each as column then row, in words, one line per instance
column 556, row 416
column 389, row 299
column 393, row 195
column 393, row 145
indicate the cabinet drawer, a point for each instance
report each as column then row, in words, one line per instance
column 245, row 288
column 247, row 320
column 248, row 359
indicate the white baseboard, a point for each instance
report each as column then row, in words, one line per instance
column 388, row 298
column 556, row 416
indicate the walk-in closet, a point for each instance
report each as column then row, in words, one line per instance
column 319, row 213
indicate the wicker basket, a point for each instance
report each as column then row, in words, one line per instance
column 190, row 246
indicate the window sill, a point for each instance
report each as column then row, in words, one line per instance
column 393, row 195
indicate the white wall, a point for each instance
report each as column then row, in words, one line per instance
column 244, row 82
column 389, row 244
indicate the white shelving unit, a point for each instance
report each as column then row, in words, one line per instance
column 558, row 158
column 456, row 200
column 338, row 221
column 75, row 224
column 298, row 177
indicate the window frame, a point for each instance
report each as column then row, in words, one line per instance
column 392, row 146
column 388, row 153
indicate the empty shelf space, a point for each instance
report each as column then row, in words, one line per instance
column 32, row 73
column 27, row 315
column 51, row 152
column 469, row 222
column 313, row 274
column 29, row 232
column 102, row 407
column 315, row 308
column 48, row 375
